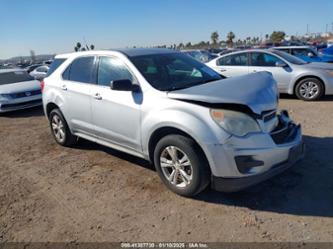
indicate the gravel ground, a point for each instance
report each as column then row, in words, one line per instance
column 92, row 193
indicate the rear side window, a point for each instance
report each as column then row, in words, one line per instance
column 81, row 70
column 14, row 77
column 111, row 69
column 233, row 60
column 54, row 65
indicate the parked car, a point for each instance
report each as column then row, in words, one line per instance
column 40, row 73
column 305, row 53
column 200, row 55
column 18, row 90
column 309, row 81
column 30, row 68
column 327, row 51
column 161, row 105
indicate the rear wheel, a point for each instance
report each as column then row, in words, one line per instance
column 309, row 89
column 181, row 165
column 60, row 130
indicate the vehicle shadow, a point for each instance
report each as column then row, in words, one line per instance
column 25, row 113
column 305, row 189
column 87, row 145
column 323, row 99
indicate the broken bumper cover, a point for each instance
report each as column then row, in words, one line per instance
column 289, row 140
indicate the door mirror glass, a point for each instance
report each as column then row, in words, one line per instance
column 122, row 85
column 310, row 54
column 280, row 64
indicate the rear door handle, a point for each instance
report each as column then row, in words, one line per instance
column 254, row 71
column 97, row 96
column 64, row 87
column 222, row 70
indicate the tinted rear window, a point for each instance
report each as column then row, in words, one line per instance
column 81, row 69
column 14, row 77
column 54, row 65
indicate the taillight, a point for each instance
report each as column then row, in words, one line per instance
column 42, row 84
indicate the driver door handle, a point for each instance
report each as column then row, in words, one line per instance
column 64, row 87
column 97, row 96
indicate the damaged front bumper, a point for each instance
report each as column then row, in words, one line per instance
column 259, row 157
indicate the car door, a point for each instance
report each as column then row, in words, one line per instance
column 262, row 61
column 116, row 114
column 232, row 65
column 76, row 87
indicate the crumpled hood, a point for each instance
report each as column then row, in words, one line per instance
column 319, row 65
column 20, row 87
column 258, row 91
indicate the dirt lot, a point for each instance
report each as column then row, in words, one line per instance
column 92, row 193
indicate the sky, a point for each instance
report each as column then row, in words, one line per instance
column 54, row 26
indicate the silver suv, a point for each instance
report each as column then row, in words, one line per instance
column 197, row 127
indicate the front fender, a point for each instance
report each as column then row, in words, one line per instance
column 203, row 130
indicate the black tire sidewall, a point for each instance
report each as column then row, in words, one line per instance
column 315, row 80
column 201, row 172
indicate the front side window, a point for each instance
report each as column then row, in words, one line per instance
column 303, row 52
column 81, row 70
column 264, row 60
column 167, row 72
column 233, row 60
column 111, row 69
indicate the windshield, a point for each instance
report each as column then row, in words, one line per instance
column 290, row 58
column 167, row 72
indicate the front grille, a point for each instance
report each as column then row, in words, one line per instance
column 21, row 104
column 25, row 94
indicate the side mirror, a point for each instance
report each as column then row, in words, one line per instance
column 280, row 64
column 123, row 85
column 310, row 54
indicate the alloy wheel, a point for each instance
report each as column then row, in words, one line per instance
column 176, row 166
column 309, row 90
column 58, row 129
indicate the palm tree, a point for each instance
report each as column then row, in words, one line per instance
column 230, row 37
column 214, row 37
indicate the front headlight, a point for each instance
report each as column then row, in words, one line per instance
column 330, row 72
column 236, row 123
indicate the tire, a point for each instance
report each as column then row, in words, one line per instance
column 59, row 129
column 190, row 176
column 309, row 89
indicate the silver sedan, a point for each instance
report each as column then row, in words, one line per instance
column 18, row 90
column 309, row 81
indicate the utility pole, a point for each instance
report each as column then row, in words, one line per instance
column 307, row 29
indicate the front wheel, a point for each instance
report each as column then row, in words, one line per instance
column 309, row 89
column 181, row 165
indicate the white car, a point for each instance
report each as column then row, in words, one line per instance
column 18, row 90
column 40, row 73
